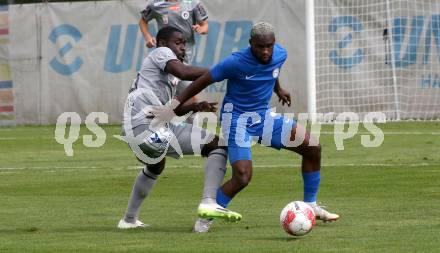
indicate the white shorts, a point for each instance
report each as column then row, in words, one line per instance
column 188, row 139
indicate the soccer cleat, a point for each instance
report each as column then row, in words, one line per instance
column 202, row 225
column 324, row 215
column 127, row 225
column 215, row 211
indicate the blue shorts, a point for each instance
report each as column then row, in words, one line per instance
column 270, row 130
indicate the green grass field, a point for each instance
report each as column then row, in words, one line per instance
column 388, row 197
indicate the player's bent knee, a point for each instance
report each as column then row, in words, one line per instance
column 213, row 145
column 156, row 168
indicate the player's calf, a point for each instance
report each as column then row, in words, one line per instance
column 241, row 175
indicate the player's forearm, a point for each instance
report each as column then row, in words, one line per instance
column 185, row 108
column 143, row 26
column 277, row 86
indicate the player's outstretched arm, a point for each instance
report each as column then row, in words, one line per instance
column 184, row 72
column 150, row 40
column 195, row 88
column 203, row 106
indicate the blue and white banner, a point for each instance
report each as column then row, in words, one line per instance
column 83, row 56
column 376, row 55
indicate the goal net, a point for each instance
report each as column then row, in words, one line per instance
column 378, row 56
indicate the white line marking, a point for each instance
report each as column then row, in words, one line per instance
column 51, row 167
column 201, row 165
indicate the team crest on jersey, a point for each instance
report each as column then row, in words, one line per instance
column 185, row 15
column 276, row 73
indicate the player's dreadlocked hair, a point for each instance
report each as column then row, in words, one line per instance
column 261, row 29
column 166, row 32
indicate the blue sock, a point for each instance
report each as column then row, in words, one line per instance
column 222, row 199
column 311, row 184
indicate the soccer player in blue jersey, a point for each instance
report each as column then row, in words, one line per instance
column 252, row 75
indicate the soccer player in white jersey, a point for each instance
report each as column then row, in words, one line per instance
column 155, row 85
column 190, row 16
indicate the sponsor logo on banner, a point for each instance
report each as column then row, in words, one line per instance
column 126, row 49
column 415, row 42
column 59, row 63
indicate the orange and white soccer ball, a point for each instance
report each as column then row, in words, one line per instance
column 297, row 218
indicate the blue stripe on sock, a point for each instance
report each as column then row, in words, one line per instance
column 222, row 199
column 311, row 185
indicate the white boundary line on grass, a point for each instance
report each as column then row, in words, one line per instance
column 199, row 166
column 326, row 165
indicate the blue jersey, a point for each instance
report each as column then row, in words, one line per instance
column 250, row 83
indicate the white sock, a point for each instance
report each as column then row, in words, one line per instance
column 142, row 187
column 215, row 169
column 312, row 204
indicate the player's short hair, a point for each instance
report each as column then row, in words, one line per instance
column 166, row 32
column 262, row 29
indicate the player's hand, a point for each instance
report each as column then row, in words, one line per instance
column 197, row 28
column 151, row 42
column 284, row 97
column 206, row 107
column 165, row 114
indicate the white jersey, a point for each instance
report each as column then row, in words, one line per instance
column 152, row 86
